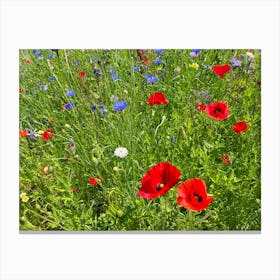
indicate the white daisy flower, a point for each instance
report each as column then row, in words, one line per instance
column 121, row 152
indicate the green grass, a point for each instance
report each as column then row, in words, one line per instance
column 200, row 141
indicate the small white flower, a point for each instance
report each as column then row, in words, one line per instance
column 121, row 152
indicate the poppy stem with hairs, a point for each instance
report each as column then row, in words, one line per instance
column 163, row 206
column 161, row 123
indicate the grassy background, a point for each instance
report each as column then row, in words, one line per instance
column 197, row 151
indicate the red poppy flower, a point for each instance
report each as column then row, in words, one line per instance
column 225, row 159
column 82, row 74
column 201, row 107
column 92, row 181
column 157, row 98
column 218, row 111
column 240, row 127
column 20, row 90
column 28, row 61
column 23, row 133
column 221, row 70
column 159, row 180
column 74, row 190
column 192, row 195
column 47, row 134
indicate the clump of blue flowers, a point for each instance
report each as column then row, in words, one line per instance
column 159, row 51
column 151, row 79
column 235, row 62
column 70, row 93
column 51, row 56
column 69, row 106
column 158, row 61
column 115, row 77
column 195, row 52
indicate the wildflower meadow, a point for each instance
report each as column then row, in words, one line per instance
column 140, row 140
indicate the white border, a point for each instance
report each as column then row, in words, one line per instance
column 153, row 24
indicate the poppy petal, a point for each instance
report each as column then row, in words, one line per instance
column 157, row 98
column 221, row 70
column 192, row 195
column 158, row 180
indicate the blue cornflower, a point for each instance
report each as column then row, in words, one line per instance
column 38, row 53
column 70, row 93
column 120, row 105
column 51, row 56
column 78, row 63
column 158, row 61
column 93, row 107
column 115, row 77
column 151, row 79
column 196, row 50
column 159, row 51
column 135, row 68
column 235, row 63
column 51, row 79
column 172, row 139
column 69, row 106
column 34, row 51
